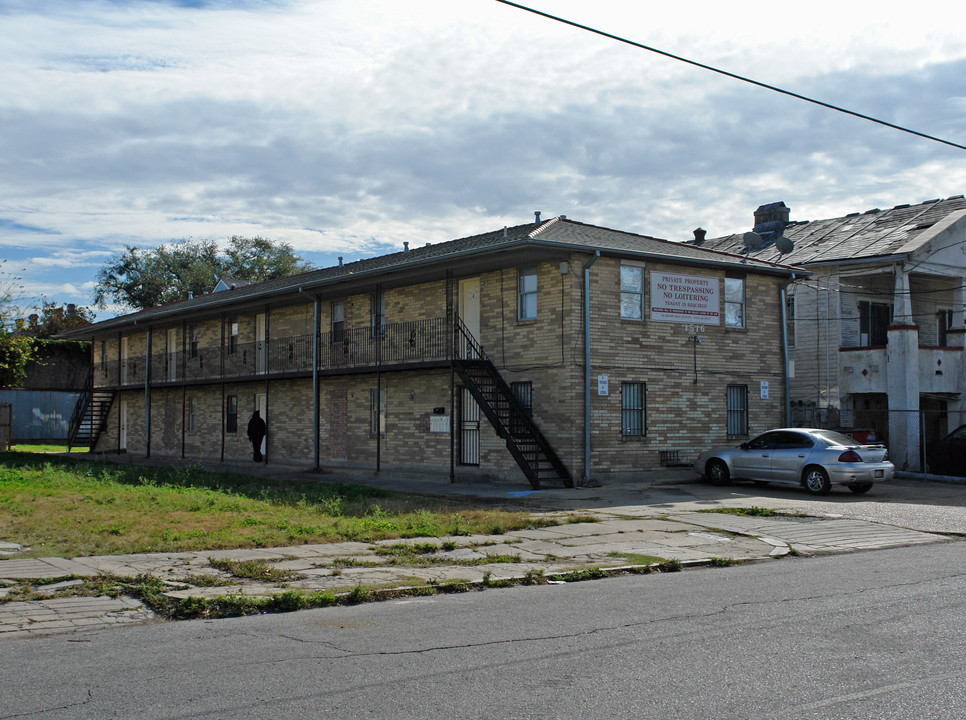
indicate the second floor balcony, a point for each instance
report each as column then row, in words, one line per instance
column 866, row 370
column 360, row 350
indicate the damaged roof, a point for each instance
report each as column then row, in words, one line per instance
column 872, row 234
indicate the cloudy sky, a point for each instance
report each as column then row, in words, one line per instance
column 346, row 127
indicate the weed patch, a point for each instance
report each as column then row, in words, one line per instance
column 637, row 559
column 254, row 570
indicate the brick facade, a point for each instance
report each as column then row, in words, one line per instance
column 684, row 383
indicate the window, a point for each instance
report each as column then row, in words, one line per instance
column 790, row 320
column 527, row 294
column 338, row 321
column 944, row 323
column 874, row 319
column 734, row 302
column 233, row 336
column 231, row 414
column 632, row 292
column 377, row 412
column 633, row 409
column 104, row 355
column 737, row 409
column 523, row 392
column 377, row 313
column 193, row 341
column 192, row 415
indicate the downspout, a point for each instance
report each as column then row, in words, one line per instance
column 317, row 302
column 587, row 267
column 788, row 395
column 147, row 399
column 222, row 371
column 184, row 384
column 120, row 389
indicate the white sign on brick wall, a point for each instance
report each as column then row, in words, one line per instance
column 439, row 423
column 685, row 299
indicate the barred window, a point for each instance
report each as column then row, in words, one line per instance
column 737, row 399
column 523, row 392
column 633, row 409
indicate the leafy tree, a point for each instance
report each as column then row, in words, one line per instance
column 15, row 350
column 259, row 258
column 11, row 293
column 54, row 319
column 147, row 278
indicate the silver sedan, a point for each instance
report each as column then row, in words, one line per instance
column 811, row 457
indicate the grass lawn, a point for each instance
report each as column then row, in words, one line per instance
column 65, row 507
column 39, row 447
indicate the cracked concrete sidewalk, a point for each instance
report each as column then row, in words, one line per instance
column 614, row 539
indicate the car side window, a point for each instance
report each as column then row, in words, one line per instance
column 797, row 441
column 764, row 442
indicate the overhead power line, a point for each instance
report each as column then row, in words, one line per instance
column 732, row 75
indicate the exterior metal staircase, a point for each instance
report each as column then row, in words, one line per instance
column 512, row 422
column 89, row 416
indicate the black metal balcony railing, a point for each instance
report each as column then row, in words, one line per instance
column 391, row 344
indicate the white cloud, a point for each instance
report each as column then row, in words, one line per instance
column 348, row 126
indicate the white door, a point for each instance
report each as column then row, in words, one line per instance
column 261, row 404
column 122, row 439
column 261, row 347
column 469, row 308
column 171, row 350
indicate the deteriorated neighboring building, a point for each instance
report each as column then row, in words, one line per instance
column 876, row 332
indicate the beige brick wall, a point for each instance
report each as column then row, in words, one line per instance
column 681, row 414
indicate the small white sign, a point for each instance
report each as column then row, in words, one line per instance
column 439, row 423
column 602, row 385
column 764, row 389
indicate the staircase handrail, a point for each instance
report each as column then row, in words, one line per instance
column 80, row 408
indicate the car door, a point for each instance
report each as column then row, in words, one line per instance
column 752, row 460
column 789, row 456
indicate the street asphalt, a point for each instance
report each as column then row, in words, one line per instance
column 670, row 517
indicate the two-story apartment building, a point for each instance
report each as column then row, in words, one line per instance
column 553, row 351
column 876, row 332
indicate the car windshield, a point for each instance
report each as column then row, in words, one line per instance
column 830, row 437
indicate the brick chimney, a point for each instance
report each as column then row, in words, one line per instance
column 771, row 217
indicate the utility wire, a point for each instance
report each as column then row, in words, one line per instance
column 731, row 75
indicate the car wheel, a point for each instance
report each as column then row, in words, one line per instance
column 717, row 472
column 859, row 488
column 816, row 481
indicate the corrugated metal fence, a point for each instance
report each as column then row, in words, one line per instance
column 39, row 415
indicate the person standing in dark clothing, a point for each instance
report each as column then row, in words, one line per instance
column 256, row 433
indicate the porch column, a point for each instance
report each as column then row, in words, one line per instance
column 902, row 362
column 956, row 337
